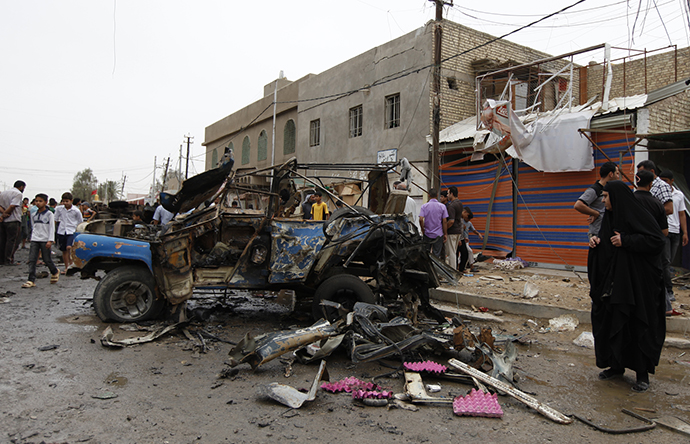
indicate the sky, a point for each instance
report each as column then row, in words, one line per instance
column 117, row 85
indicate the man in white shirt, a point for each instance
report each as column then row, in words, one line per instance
column 69, row 217
column 162, row 216
column 10, row 221
column 677, row 226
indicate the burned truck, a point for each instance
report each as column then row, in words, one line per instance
column 359, row 254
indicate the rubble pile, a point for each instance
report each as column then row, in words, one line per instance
column 367, row 333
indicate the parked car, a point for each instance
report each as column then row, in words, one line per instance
column 357, row 255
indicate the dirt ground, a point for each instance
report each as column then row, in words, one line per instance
column 58, row 384
column 555, row 287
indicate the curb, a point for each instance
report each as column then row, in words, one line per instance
column 675, row 324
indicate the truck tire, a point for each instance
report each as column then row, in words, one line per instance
column 344, row 289
column 127, row 294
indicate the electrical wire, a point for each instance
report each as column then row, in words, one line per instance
column 569, row 25
column 493, row 13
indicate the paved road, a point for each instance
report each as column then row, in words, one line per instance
column 169, row 391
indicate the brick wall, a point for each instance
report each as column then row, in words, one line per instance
column 637, row 76
column 460, row 103
column 672, row 114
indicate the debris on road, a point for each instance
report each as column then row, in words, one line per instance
column 586, row 339
column 263, row 348
column 478, row 403
column 105, row 395
column 414, row 389
column 107, row 337
column 290, row 396
column 545, row 410
column 349, row 385
column 530, row 291
column 509, row 263
column 649, row 424
column 564, row 323
column 425, row 366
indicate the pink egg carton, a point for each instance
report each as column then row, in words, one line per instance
column 425, row 366
column 478, row 403
column 347, row 385
column 361, row 394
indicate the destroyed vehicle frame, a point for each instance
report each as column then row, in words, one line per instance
column 357, row 255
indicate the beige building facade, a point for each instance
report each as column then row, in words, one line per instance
column 377, row 106
column 374, row 107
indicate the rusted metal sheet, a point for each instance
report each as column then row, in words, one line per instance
column 294, row 248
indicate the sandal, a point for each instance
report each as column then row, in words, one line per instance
column 611, row 373
column 640, row 387
column 28, row 284
column 54, row 278
column 674, row 312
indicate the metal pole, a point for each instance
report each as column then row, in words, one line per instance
column 273, row 141
column 436, row 98
column 186, row 170
column 153, row 185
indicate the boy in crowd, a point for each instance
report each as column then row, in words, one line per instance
column 138, row 217
column 86, row 211
column 466, row 254
column 42, row 238
column 319, row 211
column 68, row 216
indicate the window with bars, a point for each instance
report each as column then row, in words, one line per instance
column 289, row 137
column 393, row 111
column 246, row 147
column 315, row 132
column 262, row 144
column 356, row 121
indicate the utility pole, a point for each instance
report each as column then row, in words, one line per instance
column 179, row 166
column 273, row 141
column 124, row 179
column 186, row 170
column 153, row 185
column 165, row 175
column 436, row 95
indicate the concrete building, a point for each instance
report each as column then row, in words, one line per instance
column 375, row 107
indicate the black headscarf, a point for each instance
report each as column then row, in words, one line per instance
column 628, row 308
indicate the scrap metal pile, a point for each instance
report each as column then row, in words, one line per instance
column 367, row 333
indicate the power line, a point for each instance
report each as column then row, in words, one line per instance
column 568, row 25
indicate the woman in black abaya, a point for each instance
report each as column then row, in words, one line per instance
column 626, row 287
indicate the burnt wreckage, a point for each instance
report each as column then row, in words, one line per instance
column 358, row 255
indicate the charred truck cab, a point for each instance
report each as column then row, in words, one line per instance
column 357, row 255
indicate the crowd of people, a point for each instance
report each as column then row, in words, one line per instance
column 445, row 224
column 633, row 237
column 41, row 222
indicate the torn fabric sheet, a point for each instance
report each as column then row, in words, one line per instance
column 556, row 145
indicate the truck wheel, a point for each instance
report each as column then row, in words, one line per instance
column 127, row 294
column 344, row 289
